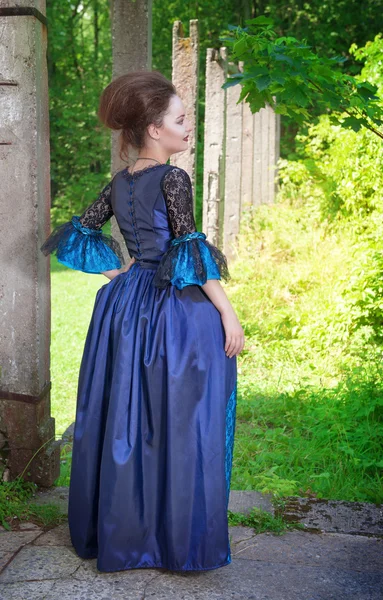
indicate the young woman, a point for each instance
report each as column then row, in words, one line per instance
column 156, row 405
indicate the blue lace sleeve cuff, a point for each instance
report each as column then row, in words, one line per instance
column 83, row 248
column 191, row 260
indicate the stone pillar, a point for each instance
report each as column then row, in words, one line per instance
column 214, row 146
column 247, row 154
column 132, row 51
column 185, row 78
column 233, row 168
column 266, row 153
column 277, row 152
column 26, row 426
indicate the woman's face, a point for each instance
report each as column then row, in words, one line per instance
column 173, row 135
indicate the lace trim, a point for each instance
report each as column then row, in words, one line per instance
column 230, row 431
column 84, row 249
column 190, row 260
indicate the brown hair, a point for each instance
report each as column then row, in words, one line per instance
column 133, row 101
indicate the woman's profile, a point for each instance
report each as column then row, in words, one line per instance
column 156, row 399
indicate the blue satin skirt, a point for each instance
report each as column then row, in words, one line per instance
column 154, row 430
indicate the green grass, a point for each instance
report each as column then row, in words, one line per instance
column 73, row 296
column 310, row 407
column 16, row 506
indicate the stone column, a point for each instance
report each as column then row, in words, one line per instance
column 266, row 153
column 132, row 51
column 247, row 154
column 233, row 168
column 185, row 78
column 214, row 146
column 26, row 425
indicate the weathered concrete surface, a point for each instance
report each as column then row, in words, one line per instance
column 214, row 145
column 131, row 27
column 298, row 565
column 336, row 515
column 233, row 169
column 25, row 421
column 185, row 63
column 243, row 501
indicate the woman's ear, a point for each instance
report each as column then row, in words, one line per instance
column 153, row 131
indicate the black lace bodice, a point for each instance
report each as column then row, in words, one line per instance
column 178, row 193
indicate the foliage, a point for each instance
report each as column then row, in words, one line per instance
column 360, row 310
column 339, row 173
column 290, row 77
column 79, row 67
column 310, row 407
column 16, row 506
column 330, row 26
column 339, row 178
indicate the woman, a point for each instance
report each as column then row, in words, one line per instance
column 155, row 415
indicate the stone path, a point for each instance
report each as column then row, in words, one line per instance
column 339, row 556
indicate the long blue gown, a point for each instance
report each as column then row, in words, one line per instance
column 156, row 405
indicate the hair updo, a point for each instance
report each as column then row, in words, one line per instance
column 133, row 101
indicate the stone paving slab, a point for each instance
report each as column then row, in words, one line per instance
column 354, row 553
column 336, row 515
column 297, row 565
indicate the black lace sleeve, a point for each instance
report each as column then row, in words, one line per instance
column 190, row 259
column 98, row 213
column 178, row 194
column 81, row 244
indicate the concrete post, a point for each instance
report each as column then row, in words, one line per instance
column 247, row 154
column 25, row 421
column 214, row 146
column 233, row 160
column 185, row 78
column 266, row 153
column 132, row 51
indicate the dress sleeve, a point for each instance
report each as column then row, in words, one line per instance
column 190, row 259
column 80, row 243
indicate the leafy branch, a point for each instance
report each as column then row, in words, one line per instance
column 286, row 74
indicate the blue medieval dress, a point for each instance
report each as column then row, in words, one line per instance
column 156, row 401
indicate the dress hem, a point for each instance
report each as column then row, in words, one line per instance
column 154, row 566
column 227, row 562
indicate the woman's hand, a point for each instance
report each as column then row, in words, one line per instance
column 127, row 267
column 235, row 338
column 114, row 272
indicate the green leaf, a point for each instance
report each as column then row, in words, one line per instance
column 352, row 122
column 283, row 57
column 262, row 82
column 260, row 21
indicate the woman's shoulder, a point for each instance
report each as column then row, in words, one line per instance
column 175, row 176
